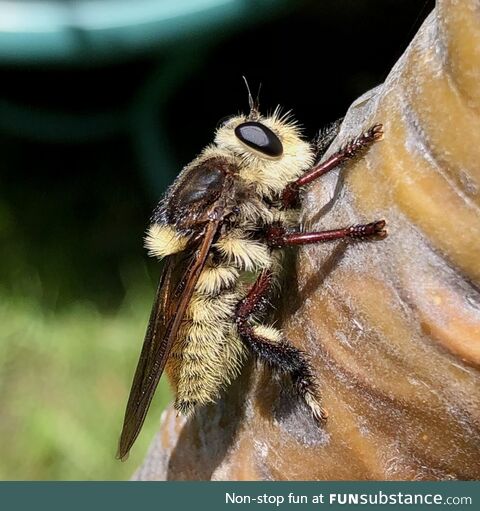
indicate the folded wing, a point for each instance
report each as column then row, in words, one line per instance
column 178, row 280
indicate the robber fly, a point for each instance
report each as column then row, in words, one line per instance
column 223, row 221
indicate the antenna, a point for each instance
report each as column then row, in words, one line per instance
column 257, row 100
column 253, row 104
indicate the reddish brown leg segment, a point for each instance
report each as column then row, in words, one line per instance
column 277, row 236
column 290, row 194
column 256, row 295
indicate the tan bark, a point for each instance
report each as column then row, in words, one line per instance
column 393, row 326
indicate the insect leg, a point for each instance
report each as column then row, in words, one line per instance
column 276, row 352
column 277, row 236
column 255, row 298
column 352, row 148
column 284, row 358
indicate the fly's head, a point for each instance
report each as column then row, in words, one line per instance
column 270, row 149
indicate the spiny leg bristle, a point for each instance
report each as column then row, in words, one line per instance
column 185, row 408
column 319, row 413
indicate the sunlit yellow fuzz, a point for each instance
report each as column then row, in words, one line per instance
column 269, row 333
column 213, row 151
column 214, row 279
column 207, row 355
column 244, row 253
column 235, row 352
column 268, row 176
column 317, row 411
column 163, row 240
column 206, row 309
column 211, row 336
column 255, row 212
column 194, row 367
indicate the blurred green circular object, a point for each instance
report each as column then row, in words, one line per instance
column 65, row 31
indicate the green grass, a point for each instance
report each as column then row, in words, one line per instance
column 64, row 382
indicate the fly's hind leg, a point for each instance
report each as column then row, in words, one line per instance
column 280, row 356
column 268, row 345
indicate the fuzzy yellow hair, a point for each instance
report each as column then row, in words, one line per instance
column 268, row 333
column 244, row 253
column 269, row 176
column 163, row 240
column 208, row 353
column 214, row 279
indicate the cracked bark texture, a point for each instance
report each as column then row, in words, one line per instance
column 392, row 327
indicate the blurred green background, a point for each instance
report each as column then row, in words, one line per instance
column 101, row 104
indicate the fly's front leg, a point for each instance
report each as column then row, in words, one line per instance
column 290, row 195
column 277, row 236
column 268, row 345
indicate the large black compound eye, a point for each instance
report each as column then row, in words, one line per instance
column 260, row 138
